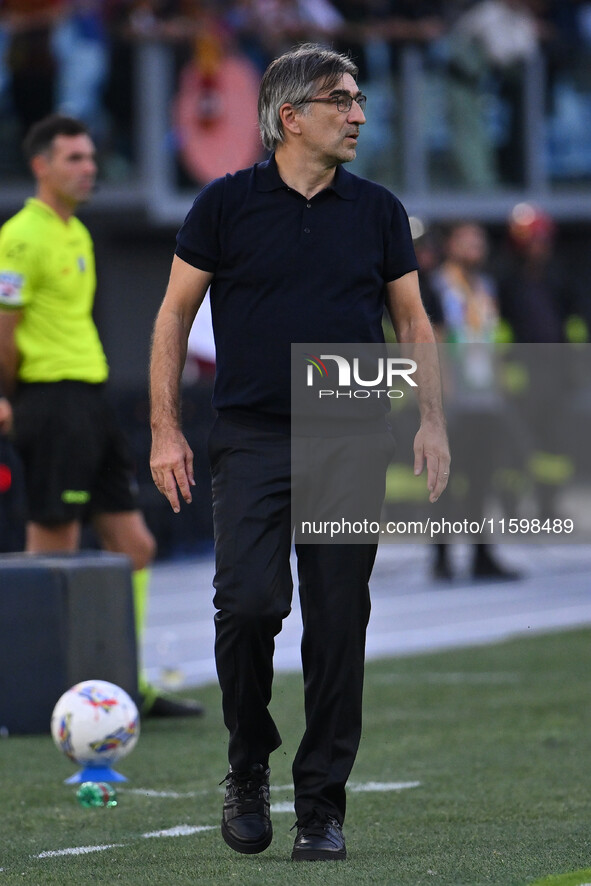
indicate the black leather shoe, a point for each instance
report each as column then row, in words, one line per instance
column 167, row 706
column 246, row 821
column 319, row 840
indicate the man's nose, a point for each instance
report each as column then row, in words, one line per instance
column 356, row 115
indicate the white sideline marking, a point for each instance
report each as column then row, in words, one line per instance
column 383, row 786
column 78, row 850
column 360, row 787
column 476, row 679
column 186, row 830
column 164, row 795
column 181, row 830
column 368, row 787
column 353, row 787
column 277, row 808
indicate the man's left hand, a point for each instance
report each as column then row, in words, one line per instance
column 431, row 446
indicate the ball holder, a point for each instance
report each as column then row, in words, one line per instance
column 95, row 773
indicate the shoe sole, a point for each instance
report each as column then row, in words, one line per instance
column 246, row 848
column 319, row 855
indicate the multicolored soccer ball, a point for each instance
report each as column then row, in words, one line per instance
column 95, row 723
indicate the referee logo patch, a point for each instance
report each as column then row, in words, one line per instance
column 11, row 285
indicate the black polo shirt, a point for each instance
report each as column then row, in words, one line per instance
column 287, row 269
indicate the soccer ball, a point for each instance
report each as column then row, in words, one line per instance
column 95, row 723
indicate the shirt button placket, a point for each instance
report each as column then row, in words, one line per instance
column 306, row 229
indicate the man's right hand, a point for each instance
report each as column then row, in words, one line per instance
column 5, row 416
column 171, row 462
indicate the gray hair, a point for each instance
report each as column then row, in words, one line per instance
column 294, row 77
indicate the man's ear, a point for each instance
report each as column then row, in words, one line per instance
column 290, row 119
column 38, row 165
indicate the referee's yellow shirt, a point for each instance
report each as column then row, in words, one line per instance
column 47, row 271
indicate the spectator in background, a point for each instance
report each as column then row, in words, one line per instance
column 427, row 246
column 392, row 23
column 466, row 292
column 488, row 45
column 375, row 33
column 127, row 22
column 118, row 94
column 566, row 30
column 266, row 28
column 170, row 20
column 535, row 296
column 81, row 46
column 539, row 302
column 30, row 58
column 470, row 317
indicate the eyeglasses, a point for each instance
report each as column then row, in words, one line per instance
column 343, row 101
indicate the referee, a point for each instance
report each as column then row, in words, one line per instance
column 53, row 369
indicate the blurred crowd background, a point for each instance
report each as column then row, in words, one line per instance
column 478, row 111
column 460, row 87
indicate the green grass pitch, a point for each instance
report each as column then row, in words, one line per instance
column 493, row 744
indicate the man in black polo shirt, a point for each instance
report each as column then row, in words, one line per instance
column 296, row 249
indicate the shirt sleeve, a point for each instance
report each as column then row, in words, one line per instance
column 198, row 240
column 17, row 271
column 400, row 255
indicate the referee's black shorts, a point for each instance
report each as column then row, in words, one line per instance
column 77, row 461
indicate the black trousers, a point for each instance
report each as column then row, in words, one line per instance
column 251, row 487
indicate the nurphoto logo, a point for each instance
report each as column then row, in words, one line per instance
column 344, row 373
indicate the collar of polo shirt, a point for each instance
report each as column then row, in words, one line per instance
column 344, row 183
